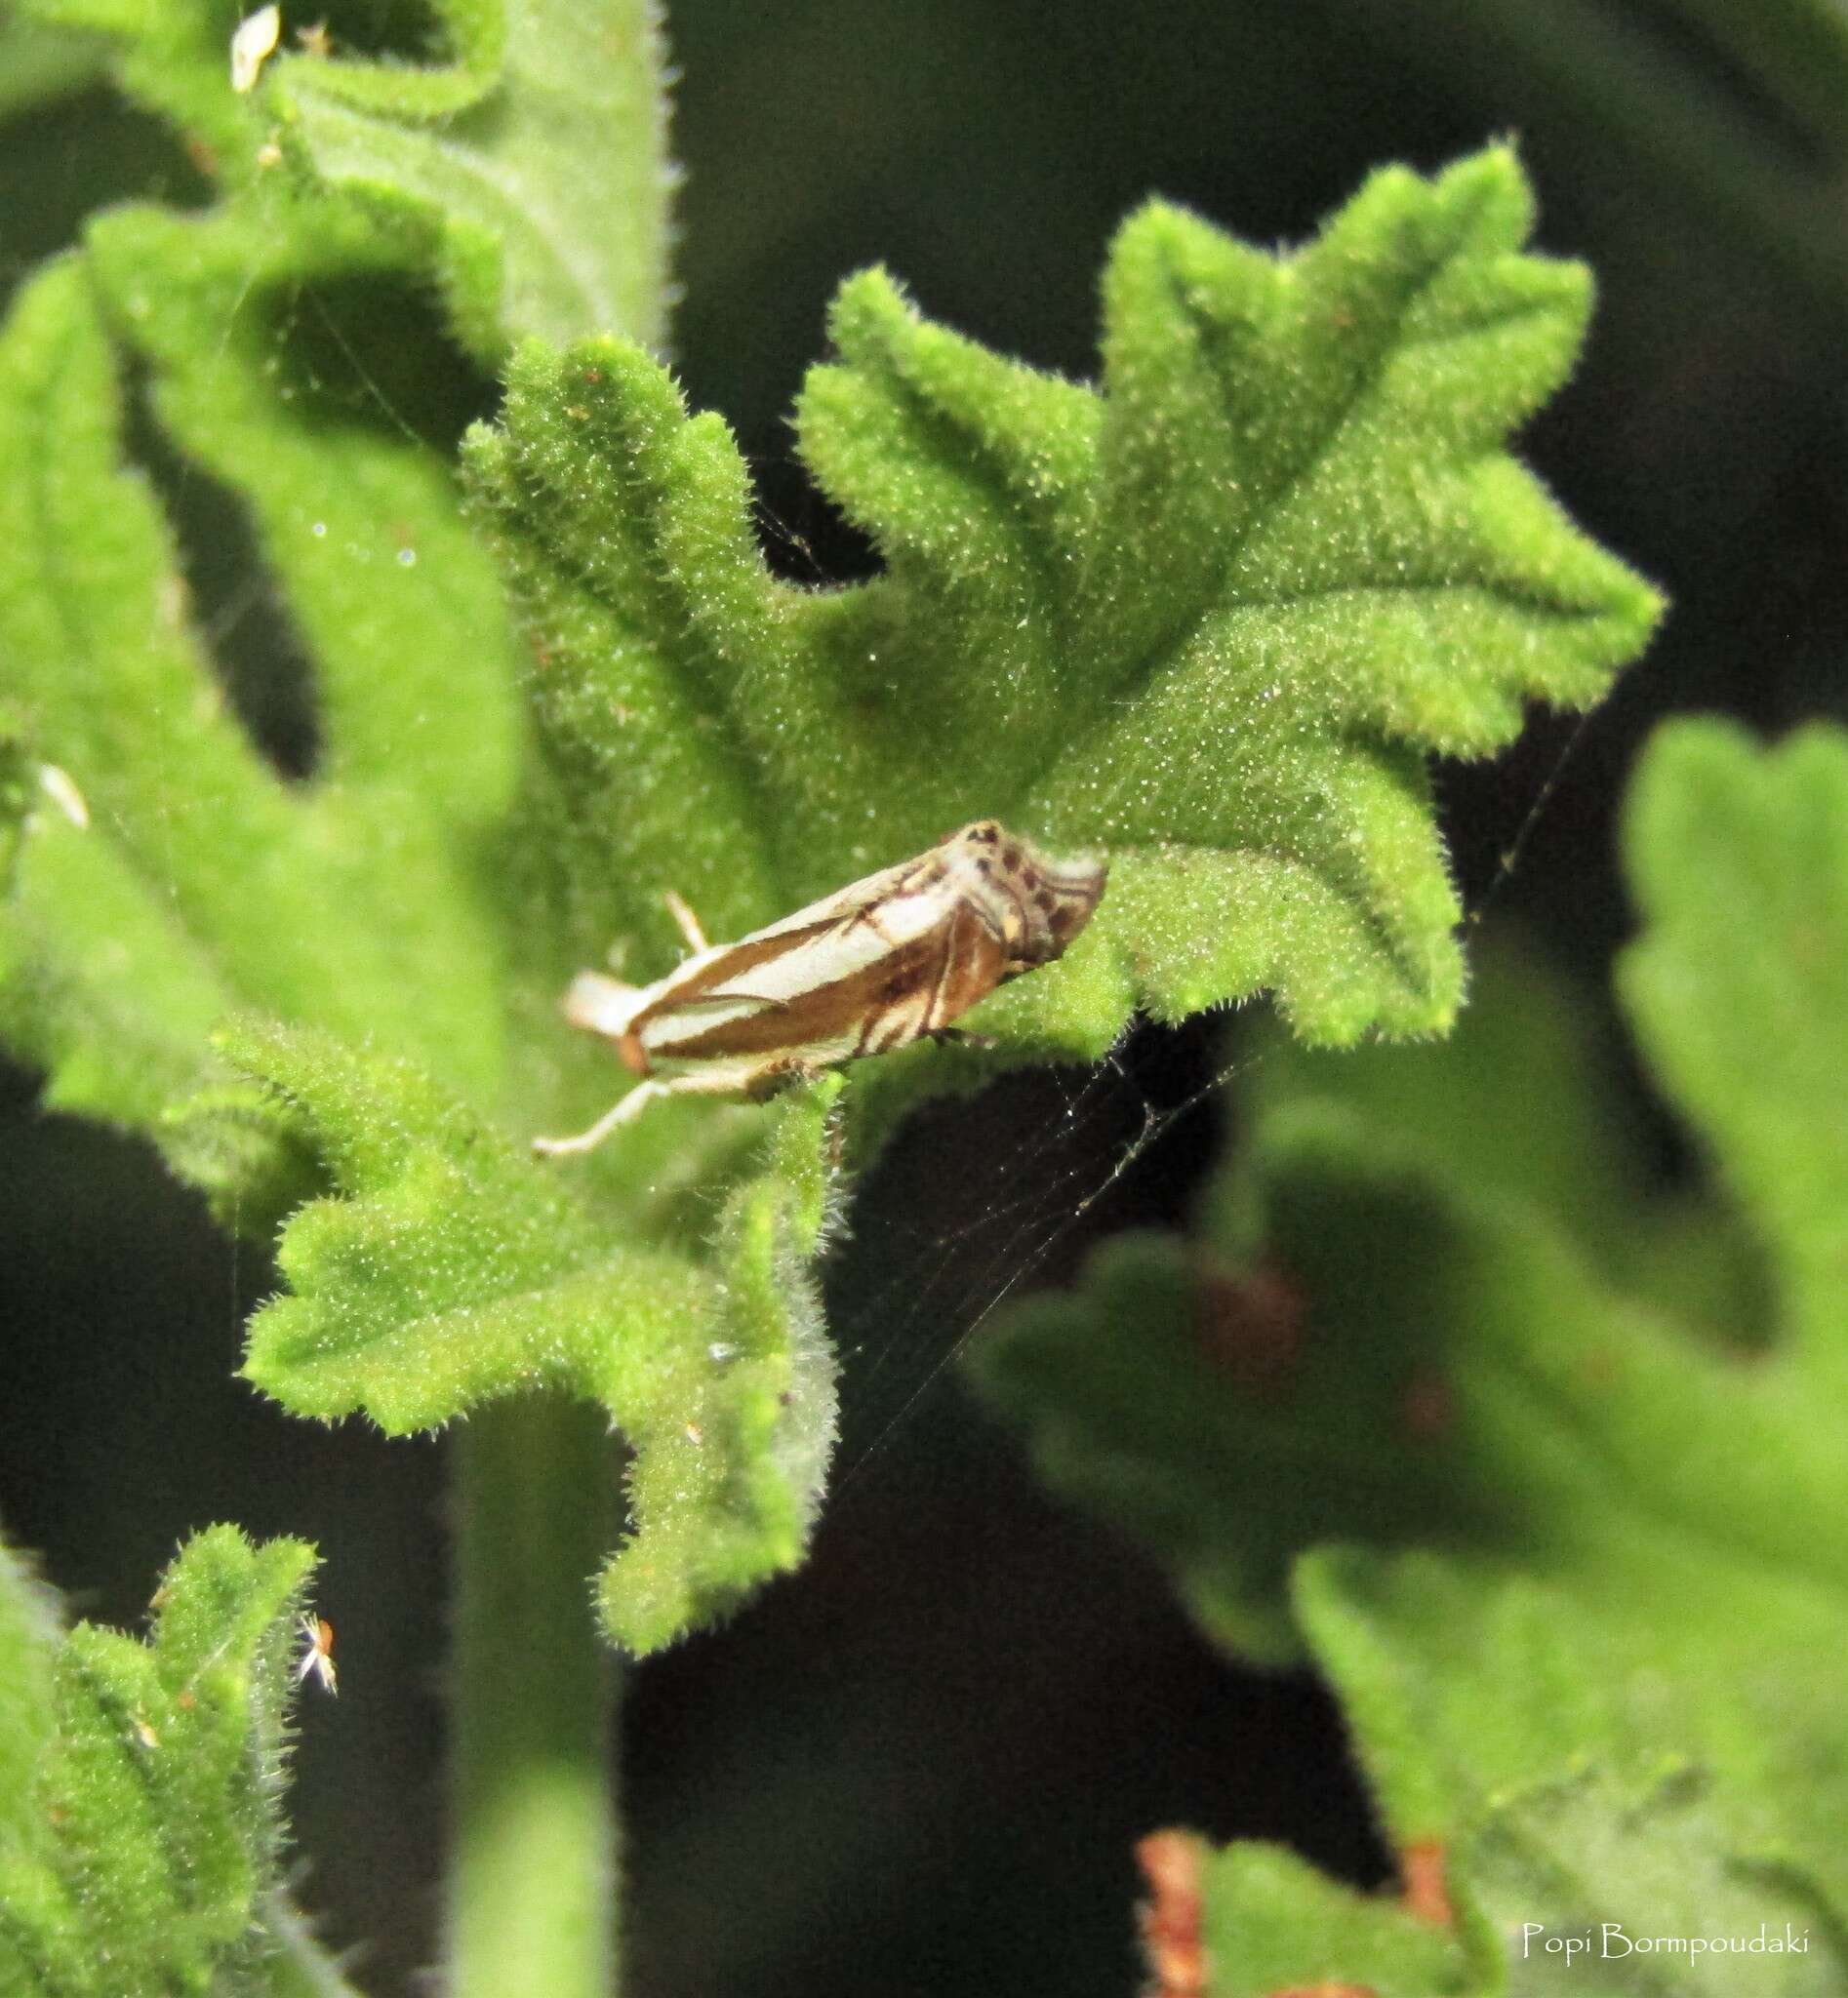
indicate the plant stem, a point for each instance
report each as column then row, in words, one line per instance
column 532, row 1885
column 532, row 1871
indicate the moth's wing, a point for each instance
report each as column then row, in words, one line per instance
column 820, row 944
column 845, row 903
column 729, row 1000
column 840, row 993
column 710, row 1026
column 972, row 963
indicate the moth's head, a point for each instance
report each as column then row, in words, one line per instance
column 1038, row 902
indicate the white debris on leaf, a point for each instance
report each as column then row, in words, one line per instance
column 253, row 44
column 56, row 785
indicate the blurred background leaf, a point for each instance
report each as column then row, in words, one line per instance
column 1548, row 1542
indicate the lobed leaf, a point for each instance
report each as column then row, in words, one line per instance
column 143, row 1847
column 1088, row 601
column 130, row 938
column 1208, row 617
column 449, row 1268
column 524, row 173
column 1751, row 1039
column 483, row 162
column 1427, row 1398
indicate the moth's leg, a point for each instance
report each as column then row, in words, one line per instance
column 688, row 921
column 777, row 1073
column 959, row 1037
column 624, row 1111
column 730, row 1081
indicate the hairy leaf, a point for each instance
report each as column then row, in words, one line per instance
column 451, row 1266
column 1430, row 1395
column 141, row 1851
column 524, row 172
column 488, row 159
column 1206, row 617
column 203, row 879
column 1083, row 628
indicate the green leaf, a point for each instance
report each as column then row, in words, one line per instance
column 130, row 938
column 1637, row 1881
column 486, row 161
column 1206, row 617
column 1427, row 1397
column 105, row 990
column 1755, row 1055
column 524, row 173
column 1272, row 1921
column 174, row 58
column 451, row 1268
column 143, row 1847
column 37, row 64
column 1068, row 596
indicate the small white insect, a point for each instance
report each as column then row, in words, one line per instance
column 253, row 43
column 883, row 962
column 317, row 1654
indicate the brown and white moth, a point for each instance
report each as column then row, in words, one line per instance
column 881, row 963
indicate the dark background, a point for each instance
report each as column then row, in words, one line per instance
column 919, row 1766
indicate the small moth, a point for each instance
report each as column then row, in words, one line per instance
column 317, row 1654
column 883, row 962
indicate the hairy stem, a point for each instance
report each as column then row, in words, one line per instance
column 532, row 1871
column 532, row 1885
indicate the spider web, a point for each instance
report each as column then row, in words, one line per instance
column 982, row 1200
column 977, row 1199
column 1059, row 1162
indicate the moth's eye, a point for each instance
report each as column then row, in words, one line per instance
column 985, row 832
